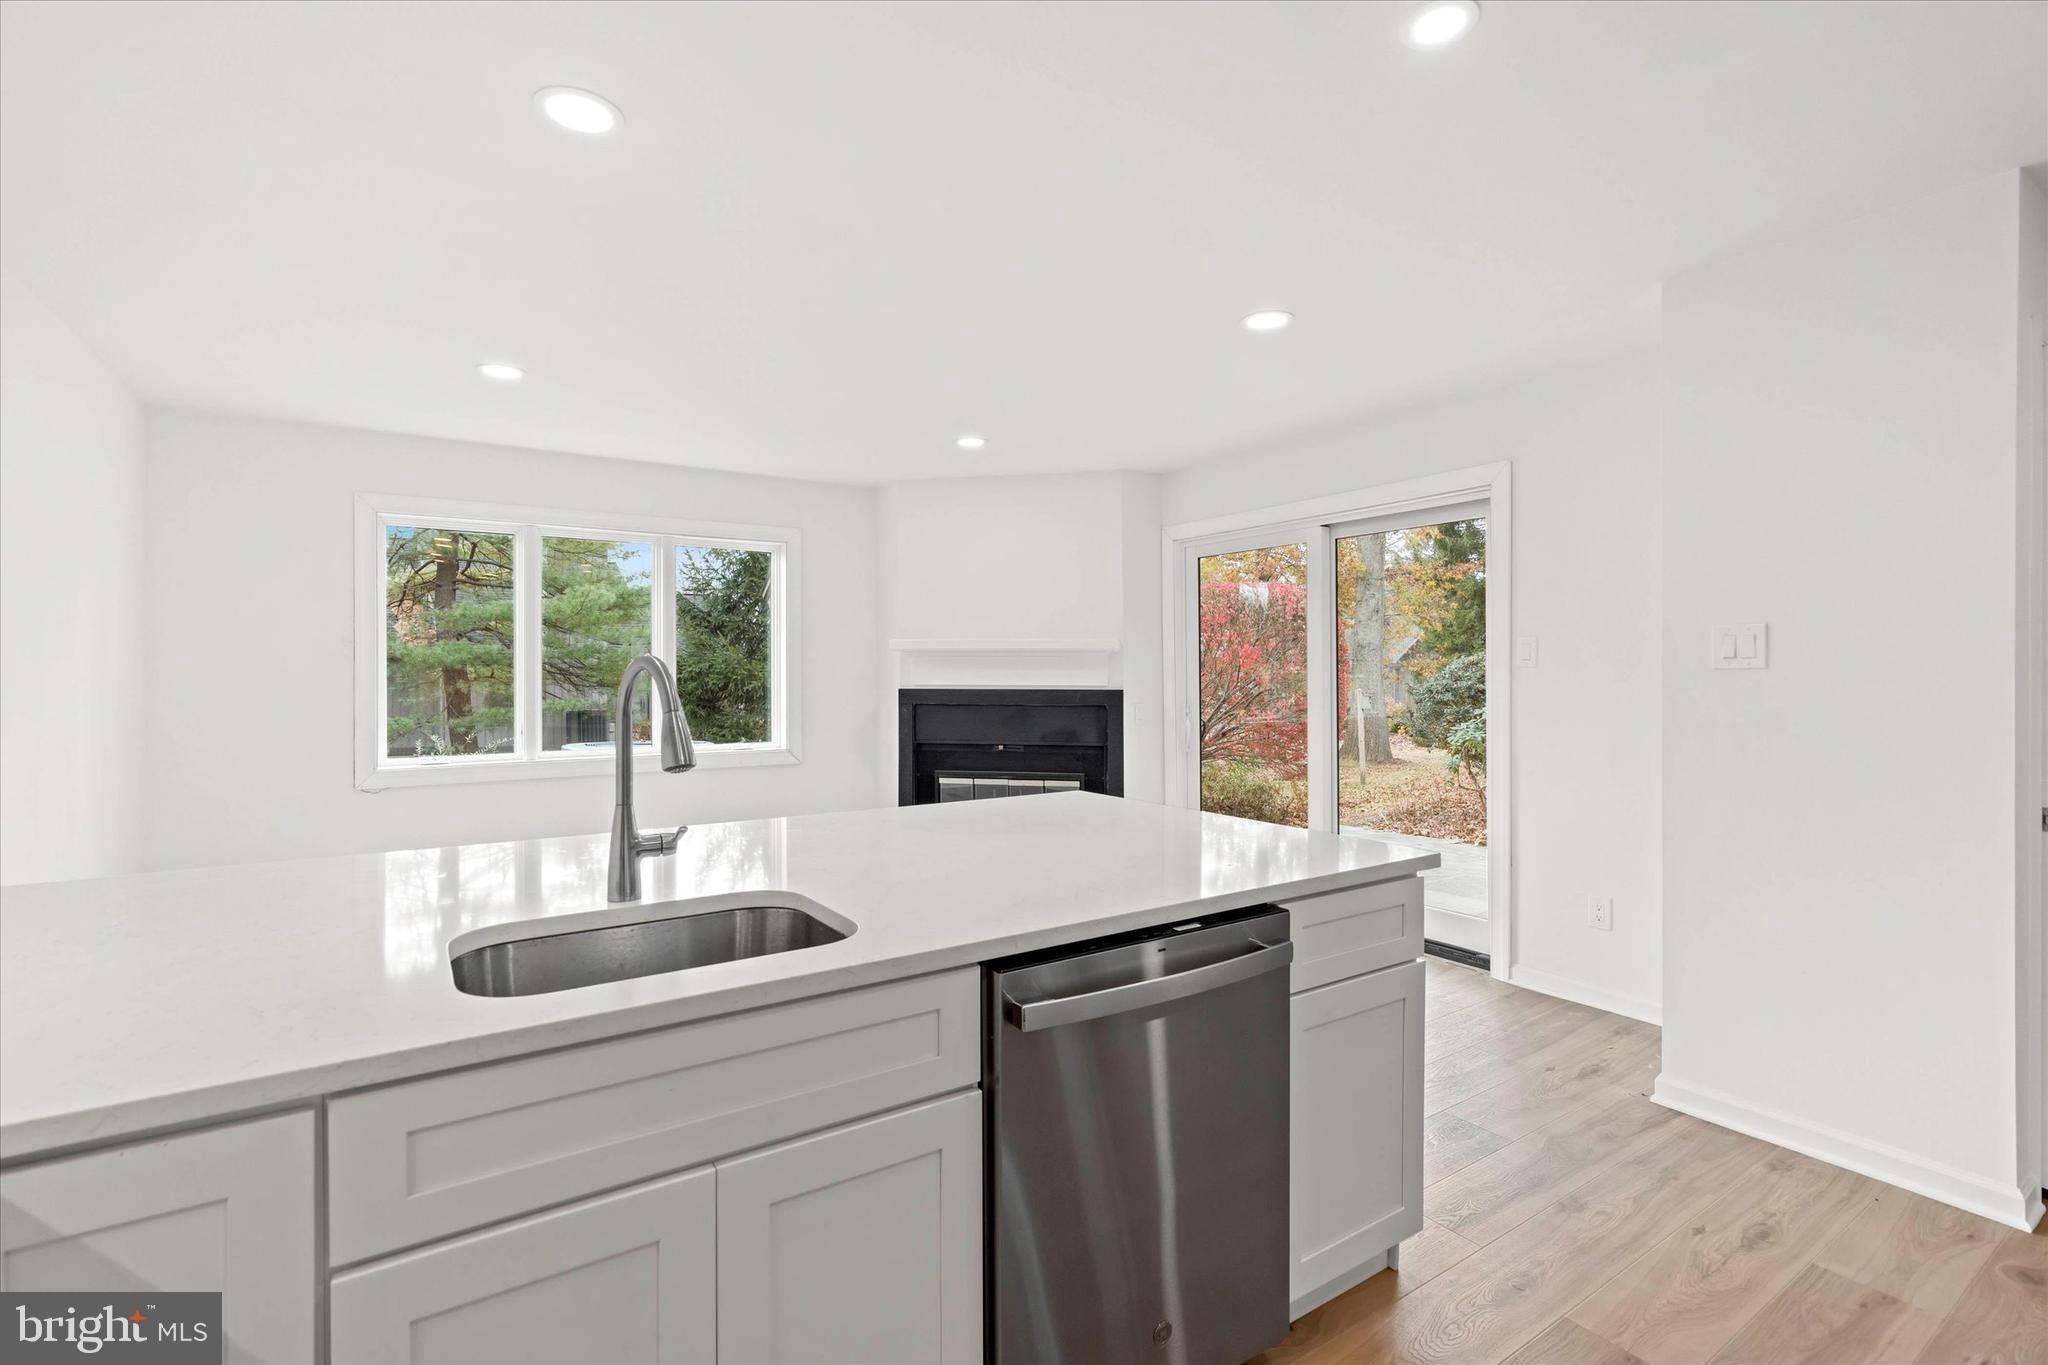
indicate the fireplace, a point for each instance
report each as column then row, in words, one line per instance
column 974, row 743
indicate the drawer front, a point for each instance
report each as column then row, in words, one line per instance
column 1348, row 933
column 414, row 1162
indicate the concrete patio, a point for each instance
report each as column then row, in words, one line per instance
column 1459, row 886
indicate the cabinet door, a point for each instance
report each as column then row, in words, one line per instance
column 627, row 1277
column 227, row 1209
column 1356, row 1109
column 862, row 1244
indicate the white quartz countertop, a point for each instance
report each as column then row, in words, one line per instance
column 143, row 1002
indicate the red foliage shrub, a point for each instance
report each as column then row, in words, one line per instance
column 1254, row 674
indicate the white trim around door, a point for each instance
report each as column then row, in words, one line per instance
column 1316, row 522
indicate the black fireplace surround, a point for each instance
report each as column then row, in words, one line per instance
column 1054, row 737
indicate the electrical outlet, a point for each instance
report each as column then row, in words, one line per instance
column 1603, row 915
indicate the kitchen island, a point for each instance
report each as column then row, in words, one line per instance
column 278, row 1052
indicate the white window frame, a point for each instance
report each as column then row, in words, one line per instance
column 375, row 771
column 1317, row 523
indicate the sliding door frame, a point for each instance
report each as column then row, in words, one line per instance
column 1316, row 522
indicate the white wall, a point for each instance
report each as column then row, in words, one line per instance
column 250, row 644
column 70, row 603
column 1583, row 444
column 1839, row 841
column 1026, row 557
column 1144, row 645
column 2031, row 766
column 1039, row 557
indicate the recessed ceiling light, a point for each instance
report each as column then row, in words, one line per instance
column 971, row 442
column 1267, row 320
column 504, row 374
column 578, row 110
column 1441, row 21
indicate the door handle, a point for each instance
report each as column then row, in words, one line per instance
column 1137, row 995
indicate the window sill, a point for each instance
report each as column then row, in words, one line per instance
column 509, row 769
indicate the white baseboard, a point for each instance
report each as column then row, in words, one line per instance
column 2001, row 1203
column 1585, row 993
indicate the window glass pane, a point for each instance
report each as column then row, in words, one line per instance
column 447, row 642
column 1411, row 697
column 597, row 601
column 1254, row 683
column 723, row 632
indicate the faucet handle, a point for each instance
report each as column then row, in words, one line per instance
column 654, row 845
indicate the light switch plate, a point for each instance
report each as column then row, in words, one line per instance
column 1525, row 650
column 1744, row 646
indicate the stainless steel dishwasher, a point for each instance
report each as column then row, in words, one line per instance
column 1137, row 1147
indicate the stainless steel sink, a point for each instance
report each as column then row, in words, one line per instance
column 619, row 952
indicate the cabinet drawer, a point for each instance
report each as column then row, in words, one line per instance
column 414, row 1162
column 1349, row 933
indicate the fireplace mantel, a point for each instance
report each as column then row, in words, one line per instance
column 1007, row 663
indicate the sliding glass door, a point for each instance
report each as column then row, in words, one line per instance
column 1333, row 675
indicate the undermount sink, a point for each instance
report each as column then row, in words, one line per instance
column 619, row 952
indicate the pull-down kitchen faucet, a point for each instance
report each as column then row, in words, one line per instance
column 678, row 754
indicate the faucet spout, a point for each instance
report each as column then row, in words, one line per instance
column 678, row 754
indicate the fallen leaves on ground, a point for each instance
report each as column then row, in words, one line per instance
column 1414, row 794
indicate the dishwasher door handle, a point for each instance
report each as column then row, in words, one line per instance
column 1137, row 995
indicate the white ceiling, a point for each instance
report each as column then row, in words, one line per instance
column 831, row 237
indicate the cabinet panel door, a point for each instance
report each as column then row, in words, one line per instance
column 858, row 1245
column 228, row 1209
column 1356, row 1109
column 627, row 1277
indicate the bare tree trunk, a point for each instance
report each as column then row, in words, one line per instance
column 1369, row 654
column 455, row 699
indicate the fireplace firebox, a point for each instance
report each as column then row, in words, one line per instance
column 973, row 743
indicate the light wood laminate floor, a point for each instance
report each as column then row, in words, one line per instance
column 1570, row 1221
